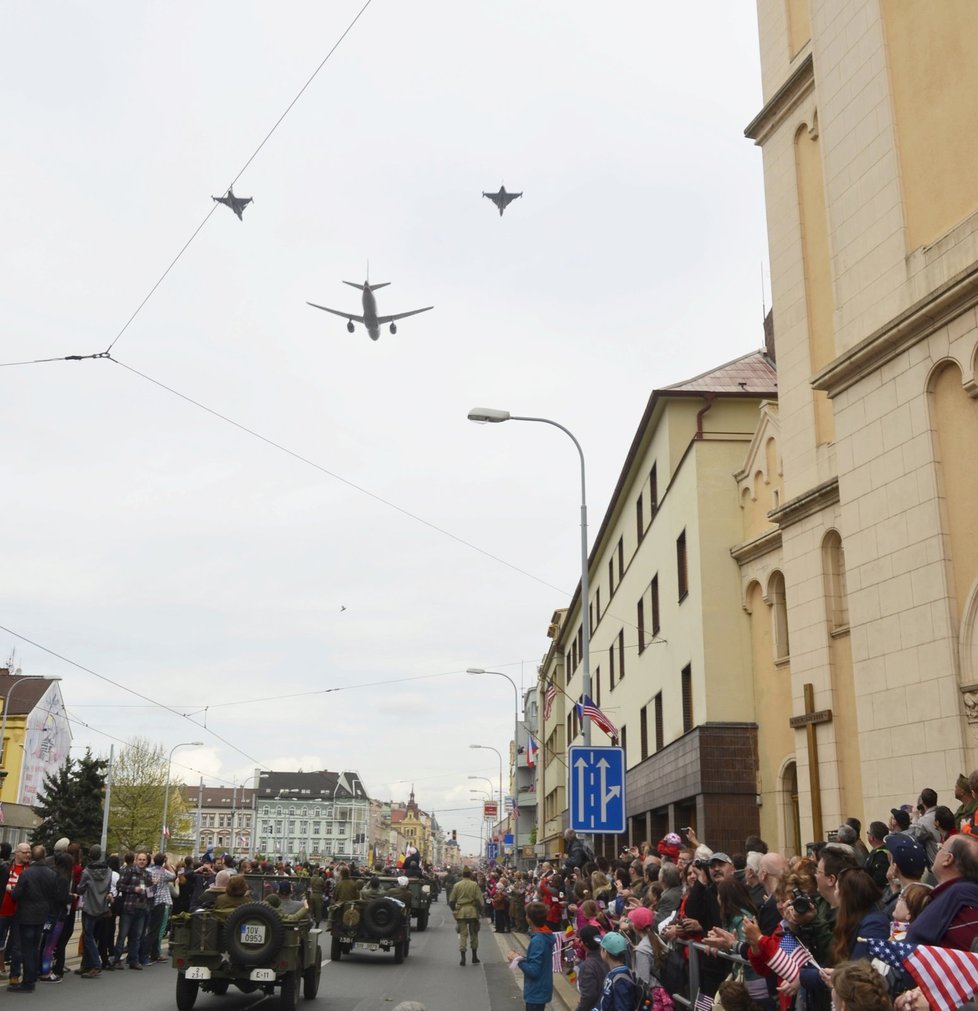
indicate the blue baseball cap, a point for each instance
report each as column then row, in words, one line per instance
column 615, row 943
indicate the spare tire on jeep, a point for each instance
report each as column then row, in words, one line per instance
column 381, row 917
column 253, row 934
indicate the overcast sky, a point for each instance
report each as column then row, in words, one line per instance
column 185, row 559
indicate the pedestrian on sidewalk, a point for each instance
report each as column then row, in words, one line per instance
column 537, row 964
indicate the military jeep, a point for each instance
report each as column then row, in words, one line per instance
column 373, row 923
column 254, row 946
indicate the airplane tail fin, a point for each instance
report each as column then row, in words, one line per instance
column 367, row 284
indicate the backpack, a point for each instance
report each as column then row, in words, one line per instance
column 643, row 991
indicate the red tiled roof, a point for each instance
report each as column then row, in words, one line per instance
column 28, row 692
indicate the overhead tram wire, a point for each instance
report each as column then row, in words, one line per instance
column 196, row 231
column 132, row 691
column 242, row 170
column 336, row 477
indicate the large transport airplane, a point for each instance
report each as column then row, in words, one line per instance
column 370, row 319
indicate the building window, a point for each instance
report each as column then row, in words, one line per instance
column 653, row 491
column 779, row 616
column 597, row 604
column 621, row 655
column 639, row 518
column 624, row 744
column 654, row 594
column 687, row 680
column 611, row 576
column 621, row 558
column 611, row 667
column 641, row 624
column 681, row 574
column 834, row 573
column 660, row 736
column 643, row 730
column 597, row 687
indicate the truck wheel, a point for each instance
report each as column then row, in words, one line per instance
column 422, row 920
column 310, row 977
column 186, row 992
column 335, row 949
column 287, row 995
column 399, row 952
column 220, row 986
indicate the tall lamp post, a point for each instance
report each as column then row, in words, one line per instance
column 516, row 736
column 488, row 415
column 487, row 747
column 166, row 789
column 3, row 724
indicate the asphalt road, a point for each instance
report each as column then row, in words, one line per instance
column 365, row 982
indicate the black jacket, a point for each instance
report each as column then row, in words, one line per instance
column 40, row 892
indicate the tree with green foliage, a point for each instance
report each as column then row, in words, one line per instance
column 70, row 803
column 139, row 777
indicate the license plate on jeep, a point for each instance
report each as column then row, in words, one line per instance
column 252, row 933
column 366, row 946
column 262, row 975
column 197, row 972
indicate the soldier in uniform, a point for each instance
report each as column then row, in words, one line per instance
column 466, row 905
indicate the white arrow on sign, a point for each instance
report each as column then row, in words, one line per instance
column 580, row 765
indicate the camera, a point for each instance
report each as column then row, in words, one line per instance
column 704, row 865
column 801, row 902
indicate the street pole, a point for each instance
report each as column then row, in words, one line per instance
column 166, row 789
column 106, row 803
column 492, row 416
column 516, row 741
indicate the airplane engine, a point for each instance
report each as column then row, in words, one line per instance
column 393, row 328
column 350, row 326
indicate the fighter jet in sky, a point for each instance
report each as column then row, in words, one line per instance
column 502, row 199
column 370, row 319
column 237, row 204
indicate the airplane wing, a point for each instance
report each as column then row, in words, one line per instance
column 336, row 312
column 400, row 315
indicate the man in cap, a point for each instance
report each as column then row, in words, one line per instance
column 878, row 861
column 899, row 820
column 908, row 863
column 465, row 903
column 619, row 990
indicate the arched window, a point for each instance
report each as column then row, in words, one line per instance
column 834, row 576
column 779, row 616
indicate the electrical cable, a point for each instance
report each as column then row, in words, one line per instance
column 241, row 172
column 336, row 477
column 132, row 691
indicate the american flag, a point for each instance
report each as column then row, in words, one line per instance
column 790, row 957
column 548, row 699
column 703, row 1002
column 558, row 965
column 587, row 708
column 166, row 831
column 947, row 977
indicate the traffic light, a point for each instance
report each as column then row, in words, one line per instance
column 454, row 836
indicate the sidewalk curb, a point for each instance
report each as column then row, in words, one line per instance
column 565, row 996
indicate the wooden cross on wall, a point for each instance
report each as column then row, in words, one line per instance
column 810, row 720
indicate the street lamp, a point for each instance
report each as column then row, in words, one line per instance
column 166, row 789
column 489, row 415
column 516, row 733
column 3, row 724
column 486, row 747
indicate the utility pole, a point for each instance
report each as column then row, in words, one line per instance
column 107, row 801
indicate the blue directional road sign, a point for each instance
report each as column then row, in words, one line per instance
column 492, row 851
column 597, row 790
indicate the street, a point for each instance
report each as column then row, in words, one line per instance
column 431, row 975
